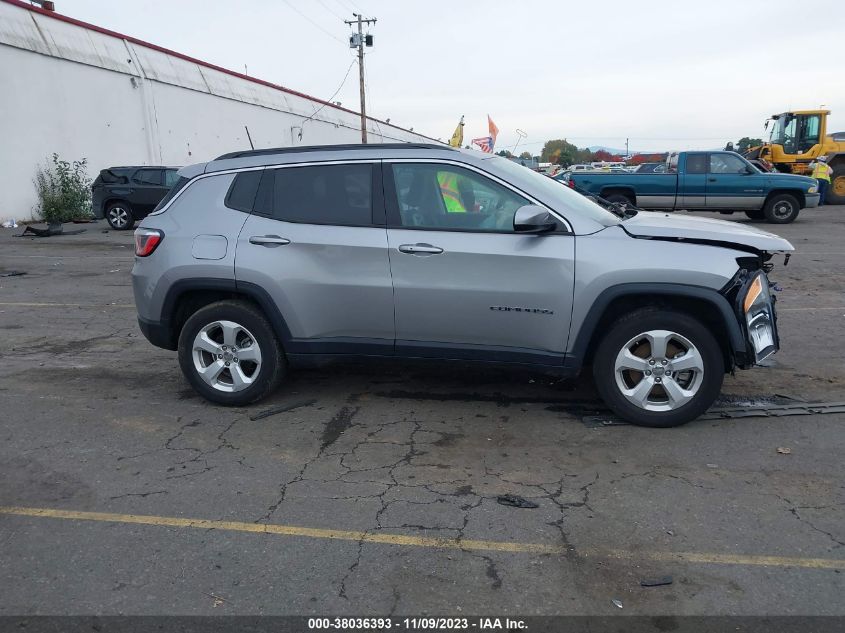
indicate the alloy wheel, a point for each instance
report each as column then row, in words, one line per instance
column 659, row 370
column 118, row 217
column 226, row 356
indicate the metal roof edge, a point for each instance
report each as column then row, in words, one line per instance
column 99, row 29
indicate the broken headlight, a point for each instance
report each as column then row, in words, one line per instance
column 760, row 317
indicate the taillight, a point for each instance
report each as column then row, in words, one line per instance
column 571, row 184
column 146, row 241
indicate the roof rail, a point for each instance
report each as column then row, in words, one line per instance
column 330, row 148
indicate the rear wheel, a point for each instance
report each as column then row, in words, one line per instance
column 755, row 214
column 658, row 368
column 836, row 190
column 119, row 216
column 230, row 354
column 781, row 209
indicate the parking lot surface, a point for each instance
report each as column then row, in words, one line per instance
column 372, row 490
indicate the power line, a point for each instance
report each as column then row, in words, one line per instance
column 326, row 7
column 314, row 23
column 369, row 92
column 329, row 100
column 346, row 6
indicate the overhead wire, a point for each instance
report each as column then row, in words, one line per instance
column 326, row 7
column 334, row 94
column 313, row 23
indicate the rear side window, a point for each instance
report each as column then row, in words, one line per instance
column 319, row 194
column 241, row 196
column 696, row 163
column 180, row 184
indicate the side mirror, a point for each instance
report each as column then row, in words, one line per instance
column 533, row 219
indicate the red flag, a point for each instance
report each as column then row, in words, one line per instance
column 494, row 131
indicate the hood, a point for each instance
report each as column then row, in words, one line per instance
column 674, row 226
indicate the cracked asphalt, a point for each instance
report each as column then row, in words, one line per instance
column 385, row 477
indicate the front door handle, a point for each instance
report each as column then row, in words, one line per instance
column 420, row 249
column 270, row 241
column 711, row 180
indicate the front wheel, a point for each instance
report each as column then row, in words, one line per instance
column 658, row 368
column 781, row 209
column 230, row 354
column 836, row 190
column 619, row 198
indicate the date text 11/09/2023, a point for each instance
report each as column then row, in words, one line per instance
column 415, row 624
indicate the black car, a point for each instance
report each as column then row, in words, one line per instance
column 123, row 195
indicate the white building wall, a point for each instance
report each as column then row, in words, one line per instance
column 81, row 93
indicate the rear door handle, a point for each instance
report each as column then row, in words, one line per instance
column 270, row 241
column 420, row 249
column 711, row 180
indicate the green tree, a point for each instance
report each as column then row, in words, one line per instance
column 744, row 144
column 559, row 151
column 583, row 156
column 526, row 155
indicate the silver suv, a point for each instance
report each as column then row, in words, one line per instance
column 266, row 259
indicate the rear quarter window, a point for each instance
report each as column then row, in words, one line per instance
column 242, row 192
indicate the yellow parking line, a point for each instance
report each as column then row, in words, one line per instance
column 424, row 541
column 21, row 304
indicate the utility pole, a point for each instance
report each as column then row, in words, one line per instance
column 627, row 153
column 359, row 40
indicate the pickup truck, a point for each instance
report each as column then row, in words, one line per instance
column 712, row 181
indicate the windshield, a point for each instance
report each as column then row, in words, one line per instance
column 781, row 128
column 557, row 194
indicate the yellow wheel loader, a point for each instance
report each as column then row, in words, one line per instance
column 797, row 138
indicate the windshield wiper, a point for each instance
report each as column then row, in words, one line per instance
column 625, row 210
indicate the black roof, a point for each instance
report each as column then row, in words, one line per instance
column 330, row 148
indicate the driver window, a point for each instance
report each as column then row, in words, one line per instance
column 726, row 164
column 444, row 197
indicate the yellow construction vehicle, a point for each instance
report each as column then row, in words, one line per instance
column 798, row 137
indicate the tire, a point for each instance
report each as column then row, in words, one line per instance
column 119, row 216
column 236, row 382
column 836, row 190
column 619, row 198
column 782, row 208
column 755, row 214
column 686, row 339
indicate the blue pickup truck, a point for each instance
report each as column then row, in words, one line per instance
column 712, row 181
